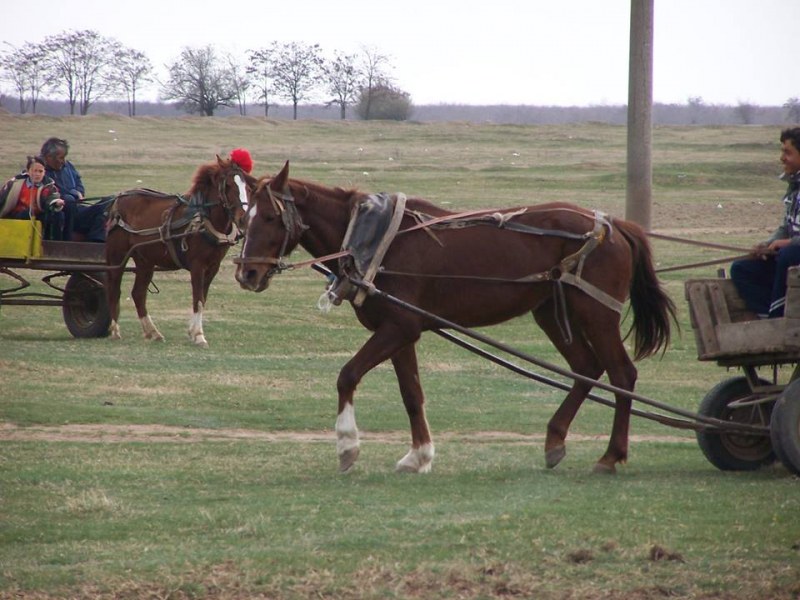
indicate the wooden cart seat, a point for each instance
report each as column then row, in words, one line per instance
column 725, row 331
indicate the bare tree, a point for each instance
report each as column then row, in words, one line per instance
column 22, row 68
column 62, row 62
column 342, row 76
column 80, row 60
column 199, row 82
column 129, row 71
column 239, row 81
column 695, row 104
column 792, row 107
column 261, row 71
column 374, row 69
column 297, row 70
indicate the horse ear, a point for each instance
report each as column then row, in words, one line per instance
column 280, row 180
column 219, row 160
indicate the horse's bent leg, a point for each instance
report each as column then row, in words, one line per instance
column 379, row 347
column 139, row 294
column 420, row 457
column 604, row 337
column 582, row 360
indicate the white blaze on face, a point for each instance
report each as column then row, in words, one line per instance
column 251, row 215
column 242, row 191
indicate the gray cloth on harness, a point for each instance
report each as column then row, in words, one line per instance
column 373, row 224
column 368, row 226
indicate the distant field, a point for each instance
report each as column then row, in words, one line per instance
column 132, row 469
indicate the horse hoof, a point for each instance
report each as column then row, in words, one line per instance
column 347, row 459
column 401, row 467
column 602, row 469
column 554, row 456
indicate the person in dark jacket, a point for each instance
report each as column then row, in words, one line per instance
column 761, row 278
column 79, row 217
column 31, row 194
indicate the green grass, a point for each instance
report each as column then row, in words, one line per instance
column 133, row 469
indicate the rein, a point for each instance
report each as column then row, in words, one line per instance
column 718, row 261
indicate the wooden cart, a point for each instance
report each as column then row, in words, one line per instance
column 727, row 333
column 82, row 297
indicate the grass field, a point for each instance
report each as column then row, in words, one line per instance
column 130, row 469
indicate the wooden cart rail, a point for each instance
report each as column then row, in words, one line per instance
column 726, row 332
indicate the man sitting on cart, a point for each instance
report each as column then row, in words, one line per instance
column 31, row 194
column 85, row 219
column 761, row 278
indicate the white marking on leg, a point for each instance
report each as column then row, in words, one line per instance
column 196, row 333
column 418, row 460
column 149, row 329
column 347, row 443
column 346, row 430
column 113, row 331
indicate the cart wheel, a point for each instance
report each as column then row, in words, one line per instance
column 784, row 427
column 735, row 451
column 85, row 308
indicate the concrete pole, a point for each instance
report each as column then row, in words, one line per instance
column 638, row 199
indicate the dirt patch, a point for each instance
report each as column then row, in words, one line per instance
column 166, row 434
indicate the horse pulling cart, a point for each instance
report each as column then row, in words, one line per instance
column 445, row 272
column 74, row 273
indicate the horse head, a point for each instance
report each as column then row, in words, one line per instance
column 274, row 228
column 234, row 185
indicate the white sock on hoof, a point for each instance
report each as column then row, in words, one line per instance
column 418, row 460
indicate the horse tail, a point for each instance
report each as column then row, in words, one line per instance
column 653, row 309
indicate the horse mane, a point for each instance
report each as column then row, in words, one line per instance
column 353, row 194
column 204, row 176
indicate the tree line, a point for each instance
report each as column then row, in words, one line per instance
column 86, row 67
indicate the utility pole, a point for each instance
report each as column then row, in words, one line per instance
column 638, row 199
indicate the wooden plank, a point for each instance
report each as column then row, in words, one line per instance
column 719, row 302
column 763, row 336
column 90, row 252
column 708, row 345
column 792, row 309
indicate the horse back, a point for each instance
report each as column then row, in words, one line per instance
column 496, row 272
column 143, row 209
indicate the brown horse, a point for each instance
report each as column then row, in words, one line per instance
column 171, row 232
column 572, row 268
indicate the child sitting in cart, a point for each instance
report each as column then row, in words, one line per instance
column 761, row 278
column 31, row 194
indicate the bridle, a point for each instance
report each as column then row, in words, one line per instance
column 285, row 206
column 222, row 190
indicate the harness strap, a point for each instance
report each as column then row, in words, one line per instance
column 563, row 272
column 383, row 246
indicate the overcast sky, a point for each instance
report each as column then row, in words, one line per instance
column 539, row 52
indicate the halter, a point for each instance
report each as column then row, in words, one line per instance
column 285, row 206
column 222, row 189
